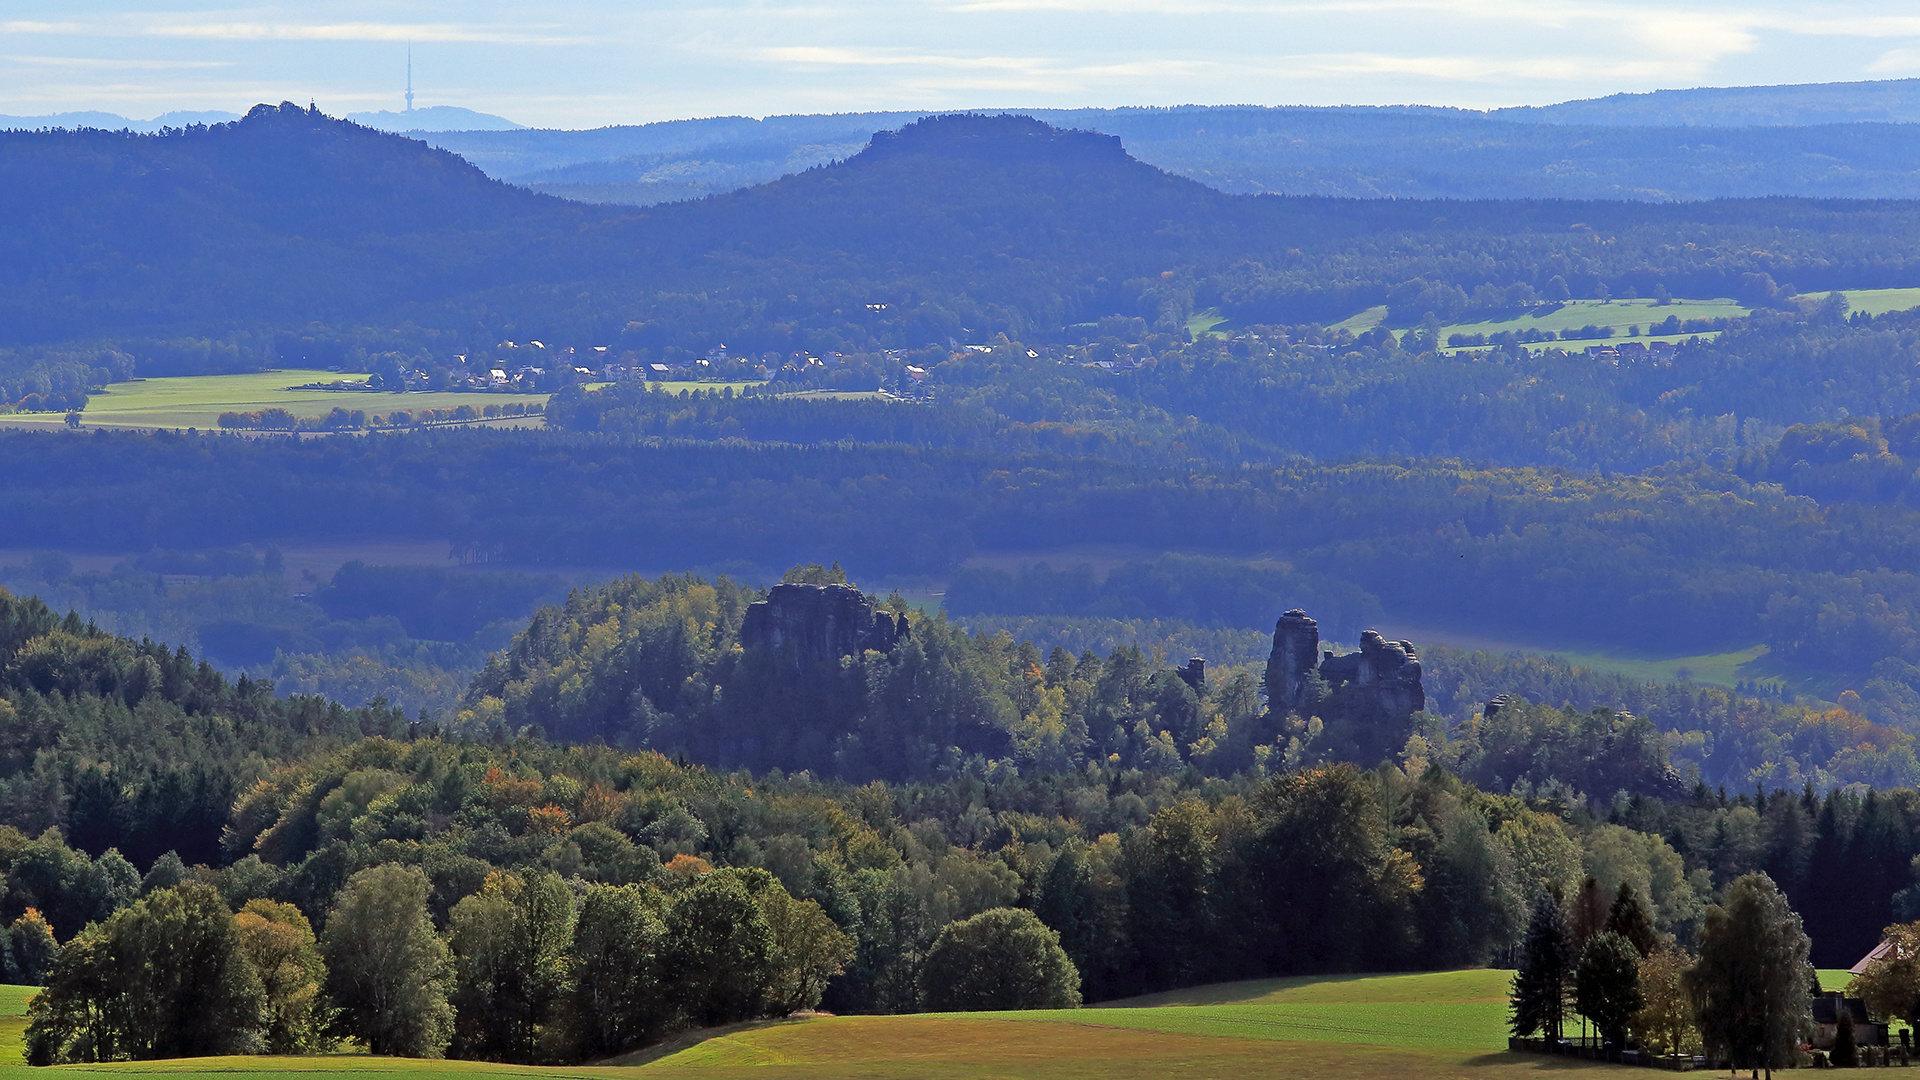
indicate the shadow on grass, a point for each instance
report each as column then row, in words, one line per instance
column 686, row 1039
column 1542, row 1062
column 1229, row 993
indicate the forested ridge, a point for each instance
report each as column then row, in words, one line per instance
column 954, row 227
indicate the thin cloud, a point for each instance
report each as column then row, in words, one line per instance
column 256, row 30
column 109, row 63
column 1896, row 62
column 1484, row 69
column 831, row 56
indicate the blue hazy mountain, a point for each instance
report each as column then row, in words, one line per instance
column 107, row 121
column 434, row 118
column 1885, row 101
column 1854, row 140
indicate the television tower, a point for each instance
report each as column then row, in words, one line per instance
column 409, row 78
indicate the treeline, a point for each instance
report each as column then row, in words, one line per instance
column 338, row 419
column 50, row 380
column 511, row 854
column 526, row 971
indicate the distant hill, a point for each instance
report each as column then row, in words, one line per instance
column 1887, row 101
column 1356, row 152
column 434, row 118
column 113, row 121
column 952, row 228
column 283, row 217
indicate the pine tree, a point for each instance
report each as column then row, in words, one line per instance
column 1539, row 994
column 1607, row 988
column 1629, row 919
column 1587, row 915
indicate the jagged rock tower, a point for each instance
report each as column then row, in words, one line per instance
column 1378, row 685
column 806, row 629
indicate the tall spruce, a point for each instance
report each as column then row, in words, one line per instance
column 1629, row 919
column 1607, row 986
column 1539, row 997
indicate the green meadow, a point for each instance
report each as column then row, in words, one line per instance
column 197, row 401
column 1618, row 314
column 1876, row 301
column 1201, row 323
column 1413, row 1027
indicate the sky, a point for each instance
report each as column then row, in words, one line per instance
column 594, row 62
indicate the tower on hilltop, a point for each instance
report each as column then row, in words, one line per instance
column 409, row 78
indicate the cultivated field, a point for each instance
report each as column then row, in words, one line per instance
column 1621, row 314
column 1877, row 301
column 1618, row 314
column 1411, row 1027
column 197, row 401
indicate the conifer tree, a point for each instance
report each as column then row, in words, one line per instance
column 1539, row 994
column 1607, row 987
column 1846, row 1044
column 1629, row 919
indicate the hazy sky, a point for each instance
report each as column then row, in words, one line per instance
column 599, row 62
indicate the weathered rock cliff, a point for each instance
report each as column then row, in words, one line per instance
column 1380, row 683
column 806, row 629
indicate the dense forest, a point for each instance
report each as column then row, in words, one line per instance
column 146, row 799
column 1687, row 557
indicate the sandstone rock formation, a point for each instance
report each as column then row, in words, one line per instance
column 1380, row 683
column 806, row 629
column 1387, row 673
column 1295, row 657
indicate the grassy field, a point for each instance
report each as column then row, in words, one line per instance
column 1202, row 323
column 1574, row 314
column 13, row 1021
column 1618, row 314
column 1876, row 301
column 1362, row 322
column 1411, row 1027
column 1714, row 669
column 197, row 401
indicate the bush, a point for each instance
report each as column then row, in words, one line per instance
column 1005, row 958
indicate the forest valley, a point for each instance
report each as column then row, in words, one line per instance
column 681, row 802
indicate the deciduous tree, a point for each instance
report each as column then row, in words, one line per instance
column 278, row 941
column 1749, row 988
column 510, row 945
column 387, row 969
column 1000, row 959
